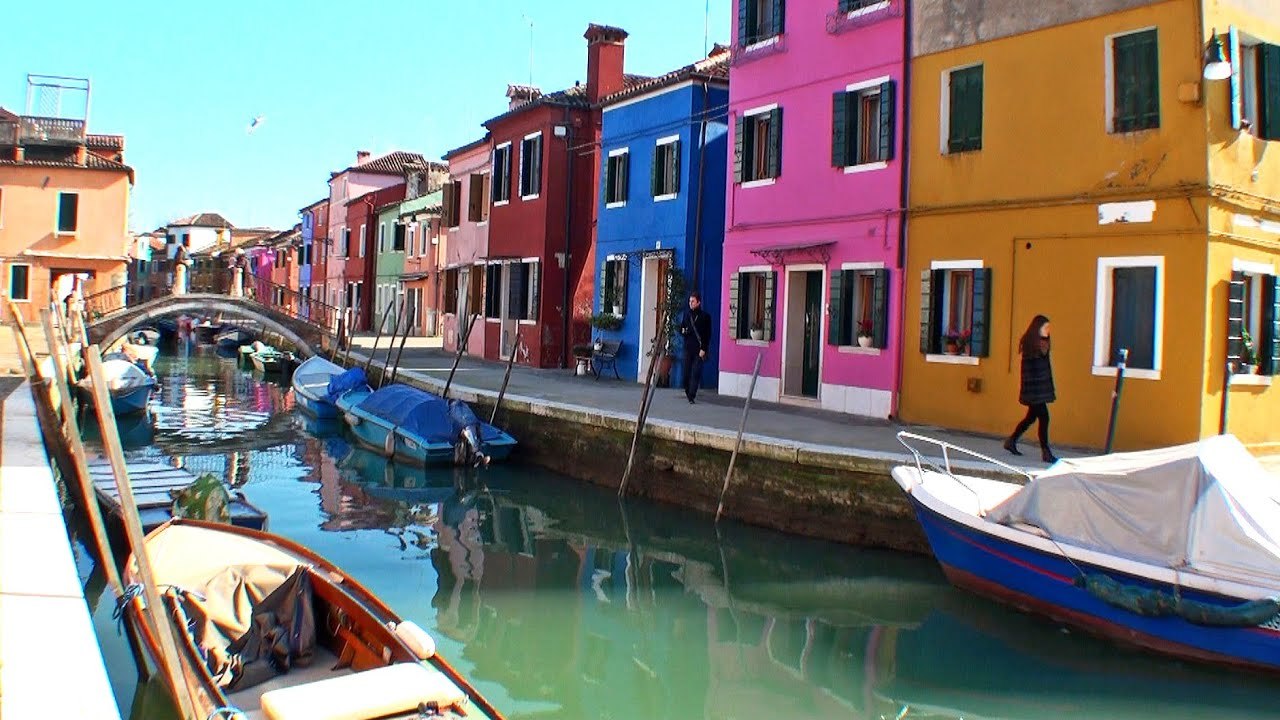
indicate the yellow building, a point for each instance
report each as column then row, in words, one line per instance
column 1076, row 162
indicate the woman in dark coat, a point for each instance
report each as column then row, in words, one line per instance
column 1037, row 386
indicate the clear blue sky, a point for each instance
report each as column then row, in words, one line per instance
column 182, row 81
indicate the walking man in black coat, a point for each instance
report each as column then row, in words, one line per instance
column 696, row 330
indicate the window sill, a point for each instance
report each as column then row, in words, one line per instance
column 953, row 153
column 482, row 223
column 664, row 198
column 758, row 183
column 66, row 233
column 1250, row 380
column 21, row 300
column 869, row 10
column 527, row 322
column 529, row 197
column 500, row 203
column 747, row 342
column 1137, row 131
column 492, row 320
column 761, row 44
column 859, row 350
column 952, row 359
column 865, row 167
column 613, row 205
column 1137, row 374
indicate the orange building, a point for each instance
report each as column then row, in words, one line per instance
column 64, row 203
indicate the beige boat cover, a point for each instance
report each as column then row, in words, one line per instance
column 1208, row 507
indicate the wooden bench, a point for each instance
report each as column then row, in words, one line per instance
column 604, row 354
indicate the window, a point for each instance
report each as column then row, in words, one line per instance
column 68, row 212
column 451, row 204
column 20, row 282
column 382, row 237
column 751, row 296
column 1255, row 88
column 398, row 237
column 1129, row 315
column 451, row 290
column 758, row 150
column 955, row 312
column 531, row 166
column 522, row 285
column 362, row 239
column 502, row 173
column 346, row 242
column 493, row 290
column 862, row 6
column 760, row 20
column 1253, row 319
column 477, row 198
column 962, row 108
column 475, row 288
column 862, row 125
column 859, row 307
column 1134, row 72
column 613, row 286
column 411, row 244
column 664, row 178
column 615, row 178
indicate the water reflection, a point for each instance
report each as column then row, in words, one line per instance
column 559, row 602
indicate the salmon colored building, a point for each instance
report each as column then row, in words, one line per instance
column 466, row 215
column 64, row 207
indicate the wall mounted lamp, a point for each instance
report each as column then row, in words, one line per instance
column 1215, row 66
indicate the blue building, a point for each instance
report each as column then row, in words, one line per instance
column 313, row 220
column 662, row 199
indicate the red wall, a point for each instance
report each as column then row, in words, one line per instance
column 362, row 210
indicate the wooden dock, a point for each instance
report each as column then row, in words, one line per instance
column 152, row 483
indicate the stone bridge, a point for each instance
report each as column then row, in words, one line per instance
column 310, row 336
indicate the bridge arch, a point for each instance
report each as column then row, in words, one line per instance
column 306, row 336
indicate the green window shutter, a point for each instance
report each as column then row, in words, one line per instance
column 927, row 310
column 1236, row 290
column 624, row 171
column 745, row 11
column 887, row 114
column 608, row 180
column 1237, row 104
column 606, row 280
column 622, row 271
column 770, row 282
column 778, row 23
column 1136, row 67
column 655, row 171
column 675, row 157
column 739, row 126
column 775, row 143
column 840, row 129
column 979, row 342
column 735, row 300
column 535, row 290
column 1269, row 87
column 1270, row 346
column 965, row 115
column 880, row 310
column 835, row 332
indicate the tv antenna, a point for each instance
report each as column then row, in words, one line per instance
column 529, row 20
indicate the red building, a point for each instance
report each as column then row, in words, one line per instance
column 361, row 258
column 545, row 171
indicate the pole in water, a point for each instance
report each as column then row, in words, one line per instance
column 1115, row 399
column 377, row 336
column 351, row 334
column 457, row 358
column 646, row 400
column 742, row 426
column 395, row 369
column 391, row 346
column 506, row 377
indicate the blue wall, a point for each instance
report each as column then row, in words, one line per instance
column 308, row 233
column 645, row 225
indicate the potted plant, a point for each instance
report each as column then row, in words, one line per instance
column 864, row 334
column 757, row 331
column 1248, row 356
column 606, row 321
column 951, row 342
column 610, row 302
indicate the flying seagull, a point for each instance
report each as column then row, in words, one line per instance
column 255, row 123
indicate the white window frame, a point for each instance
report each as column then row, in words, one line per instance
column 382, row 238
column 874, row 8
column 856, row 349
column 494, row 162
column 530, row 288
column 944, row 106
column 541, row 155
column 1109, row 86
column 1102, row 316
column 9, row 287
column 762, row 182
column 411, row 242
column 363, row 237
column 668, row 140
column 953, row 265
column 763, row 269
column 1256, row 271
column 57, row 214
column 617, row 152
column 858, row 87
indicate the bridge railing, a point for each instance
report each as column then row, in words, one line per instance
column 106, row 301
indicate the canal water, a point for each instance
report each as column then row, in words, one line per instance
column 559, row 602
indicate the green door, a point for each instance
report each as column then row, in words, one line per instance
column 812, row 332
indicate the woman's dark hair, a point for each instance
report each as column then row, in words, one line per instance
column 696, row 295
column 1030, row 343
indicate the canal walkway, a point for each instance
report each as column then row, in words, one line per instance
column 50, row 662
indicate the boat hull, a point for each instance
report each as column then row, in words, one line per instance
column 373, row 433
column 1045, row 584
column 268, row 364
column 314, row 406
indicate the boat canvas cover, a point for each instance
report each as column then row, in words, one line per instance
column 1207, row 507
column 346, row 382
column 123, row 375
column 414, row 411
column 315, row 373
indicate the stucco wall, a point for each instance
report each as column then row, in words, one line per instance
column 939, row 25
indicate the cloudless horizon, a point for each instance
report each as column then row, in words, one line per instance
column 184, row 83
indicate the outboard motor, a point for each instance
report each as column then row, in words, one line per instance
column 468, row 449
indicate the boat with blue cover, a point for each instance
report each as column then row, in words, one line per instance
column 419, row 427
column 1176, row 550
column 311, row 386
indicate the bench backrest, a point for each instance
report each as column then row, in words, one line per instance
column 609, row 347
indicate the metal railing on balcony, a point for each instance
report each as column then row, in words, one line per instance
column 50, row 130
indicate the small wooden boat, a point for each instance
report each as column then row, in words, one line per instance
column 154, row 485
column 268, row 628
column 128, row 385
column 311, row 386
column 207, row 331
column 1176, row 550
column 144, row 356
column 422, row 428
column 233, row 338
column 269, row 360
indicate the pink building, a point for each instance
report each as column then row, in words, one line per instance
column 812, row 250
column 466, row 219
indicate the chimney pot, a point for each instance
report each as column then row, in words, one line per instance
column 362, row 156
column 605, row 50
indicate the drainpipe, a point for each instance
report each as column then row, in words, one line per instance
column 697, row 228
column 566, row 310
column 903, row 197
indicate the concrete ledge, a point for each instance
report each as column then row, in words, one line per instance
column 50, row 662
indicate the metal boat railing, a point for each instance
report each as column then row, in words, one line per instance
column 946, row 468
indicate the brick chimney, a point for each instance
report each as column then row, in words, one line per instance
column 362, row 156
column 605, row 46
column 82, row 155
column 518, row 95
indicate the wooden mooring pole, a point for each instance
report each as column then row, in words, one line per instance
column 377, row 336
column 457, row 358
column 395, row 368
column 391, row 346
column 742, row 426
column 506, row 377
column 646, row 399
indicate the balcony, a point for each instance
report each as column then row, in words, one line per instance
column 8, row 133
column 49, row 131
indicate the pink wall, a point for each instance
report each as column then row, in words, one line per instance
column 343, row 188
column 467, row 243
column 813, row 202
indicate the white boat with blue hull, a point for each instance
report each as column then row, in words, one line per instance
column 415, row 426
column 128, row 385
column 311, row 386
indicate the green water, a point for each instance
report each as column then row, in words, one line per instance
column 558, row 602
